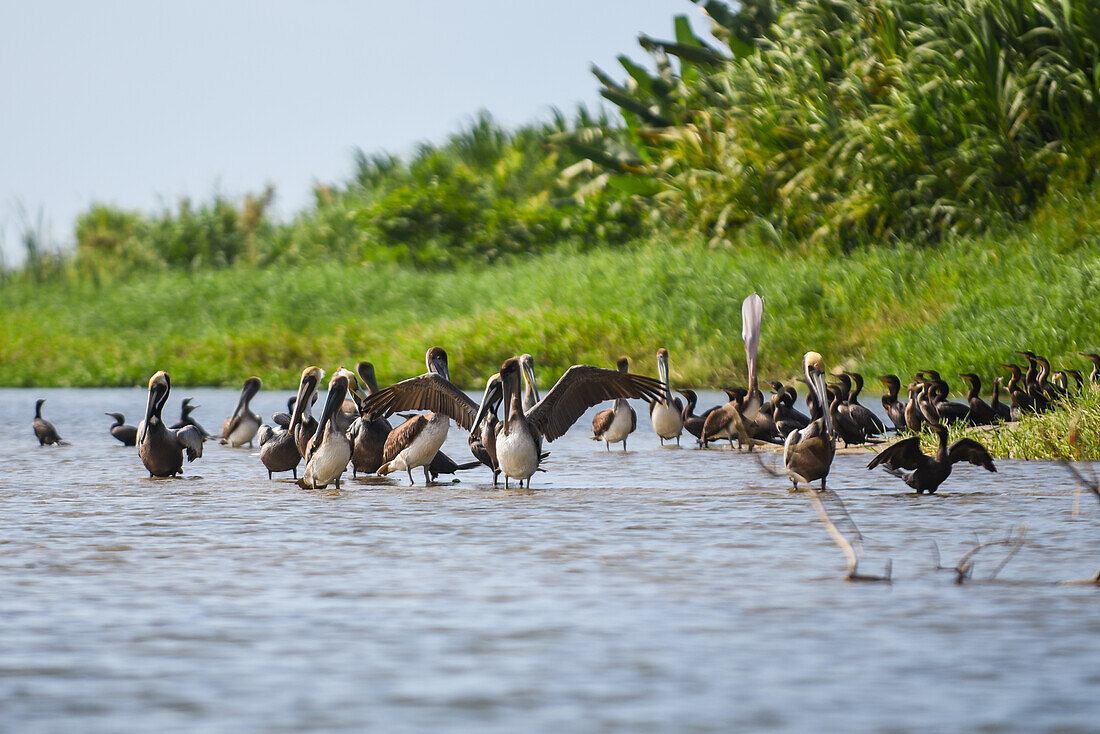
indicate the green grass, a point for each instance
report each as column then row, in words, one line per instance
column 960, row 307
column 1071, row 430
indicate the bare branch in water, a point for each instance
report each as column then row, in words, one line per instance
column 844, row 532
column 964, row 569
column 1084, row 483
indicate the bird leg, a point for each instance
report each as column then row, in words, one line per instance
column 411, row 482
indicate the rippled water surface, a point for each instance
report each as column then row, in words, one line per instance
column 653, row 590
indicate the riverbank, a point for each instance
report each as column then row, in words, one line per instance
column 961, row 307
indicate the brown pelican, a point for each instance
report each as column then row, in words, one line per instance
column 728, row 421
column 407, row 446
column 519, row 434
column 329, row 450
column 302, row 423
column 895, row 409
column 43, row 429
column 161, row 449
column 414, row 443
column 368, row 433
column 926, row 473
column 733, row 418
column 617, row 422
column 240, row 428
column 121, row 431
column 808, row 454
column 186, row 409
column 665, row 414
column 278, row 451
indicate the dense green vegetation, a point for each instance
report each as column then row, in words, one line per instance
column 904, row 182
column 854, row 122
column 963, row 306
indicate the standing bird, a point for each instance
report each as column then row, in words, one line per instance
column 808, row 454
column 666, row 414
column 734, row 418
column 519, row 435
column 121, row 431
column 415, row 442
column 980, row 412
column 186, row 409
column 278, row 451
column 895, row 409
column 867, row 420
column 1003, row 412
column 161, row 449
column 368, row 433
column 329, row 450
column 43, row 429
column 693, row 424
column 926, row 473
column 302, row 423
column 617, row 422
column 240, row 428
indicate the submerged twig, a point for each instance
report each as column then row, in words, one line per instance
column 1084, row 483
column 844, row 533
column 964, row 569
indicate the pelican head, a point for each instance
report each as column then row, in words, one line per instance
column 436, row 359
column 307, row 388
column 365, row 370
column 527, row 362
column 159, row 386
column 358, row 394
column 813, row 365
column 623, row 364
column 494, row 392
column 509, row 377
column 662, row 371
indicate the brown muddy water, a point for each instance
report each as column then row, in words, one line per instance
column 657, row 590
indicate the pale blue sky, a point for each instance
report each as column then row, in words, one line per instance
column 138, row 103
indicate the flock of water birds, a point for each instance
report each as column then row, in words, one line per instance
column 358, row 432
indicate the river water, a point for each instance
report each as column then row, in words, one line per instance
column 657, row 590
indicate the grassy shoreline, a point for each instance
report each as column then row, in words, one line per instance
column 963, row 306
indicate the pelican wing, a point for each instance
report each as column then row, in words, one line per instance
column 579, row 389
column 967, row 449
column 231, row 423
column 902, row 455
column 602, row 421
column 281, row 419
column 426, row 392
column 402, row 436
column 190, row 438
